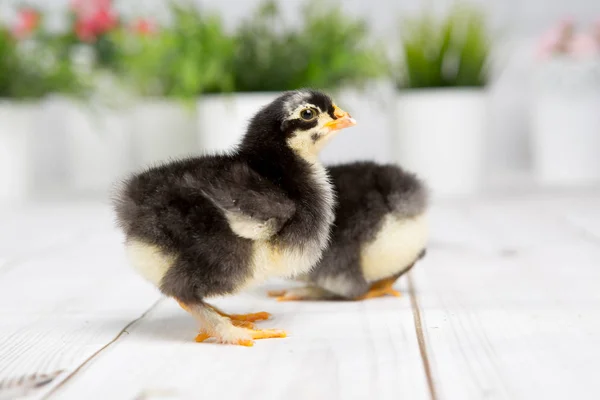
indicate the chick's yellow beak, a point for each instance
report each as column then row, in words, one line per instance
column 342, row 120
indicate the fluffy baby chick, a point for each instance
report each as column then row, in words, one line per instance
column 212, row 225
column 379, row 232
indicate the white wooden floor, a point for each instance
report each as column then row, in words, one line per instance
column 505, row 306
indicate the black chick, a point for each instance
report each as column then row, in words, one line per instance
column 379, row 233
column 212, row 225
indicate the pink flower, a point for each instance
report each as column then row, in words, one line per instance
column 596, row 31
column 556, row 39
column 583, row 45
column 144, row 27
column 28, row 22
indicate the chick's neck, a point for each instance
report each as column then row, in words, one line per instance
column 280, row 165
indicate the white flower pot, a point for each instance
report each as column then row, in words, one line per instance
column 16, row 152
column 440, row 136
column 566, row 123
column 223, row 119
column 163, row 130
column 98, row 146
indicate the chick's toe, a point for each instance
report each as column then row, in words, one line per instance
column 381, row 289
column 255, row 334
column 259, row 316
column 267, row 333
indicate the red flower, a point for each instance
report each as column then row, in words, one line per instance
column 144, row 27
column 29, row 20
column 94, row 18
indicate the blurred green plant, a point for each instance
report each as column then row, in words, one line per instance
column 188, row 58
column 192, row 56
column 452, row 52
column 328, row 50
column 338, row 48
column 265, row 59
column 9, row 64
column 30, row 67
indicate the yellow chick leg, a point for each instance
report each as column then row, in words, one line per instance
column 225, row 329
column 380, row 289
column 243, row 320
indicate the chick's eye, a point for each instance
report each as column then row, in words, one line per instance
column 308, row 114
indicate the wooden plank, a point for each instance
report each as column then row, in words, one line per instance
column 26, row 231
column 586, row 217
column 60, row 306
column 515, row 325
column 507, row 294
column 340, row 350
column 488, row 226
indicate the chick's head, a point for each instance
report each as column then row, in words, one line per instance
column 304, row 120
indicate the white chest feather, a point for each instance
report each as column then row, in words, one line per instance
column 395, row 247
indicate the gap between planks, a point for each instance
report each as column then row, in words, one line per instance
column 100, row 350
column 419, row 331
column 414, row 302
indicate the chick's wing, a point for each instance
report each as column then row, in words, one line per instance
column 254, row 207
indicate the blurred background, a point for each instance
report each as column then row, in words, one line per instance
column 477, row 97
